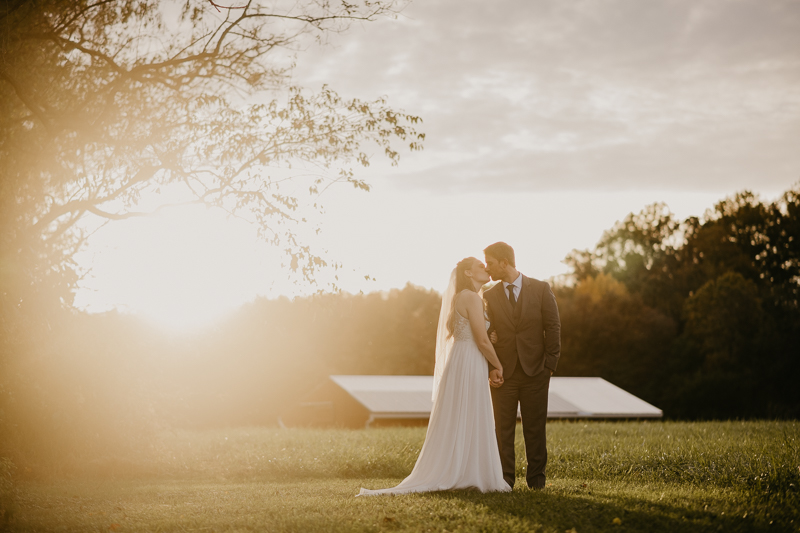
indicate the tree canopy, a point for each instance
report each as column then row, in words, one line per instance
column 111, row 109
column 727, row 290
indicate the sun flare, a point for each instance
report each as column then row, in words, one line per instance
column 182, row 268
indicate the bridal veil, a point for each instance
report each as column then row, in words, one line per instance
column 444, row 341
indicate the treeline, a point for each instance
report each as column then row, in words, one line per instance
column 699, row 317
column 98, row 384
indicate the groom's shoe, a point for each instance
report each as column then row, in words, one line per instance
column 537, row 483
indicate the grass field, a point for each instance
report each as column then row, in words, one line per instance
column 602, row 476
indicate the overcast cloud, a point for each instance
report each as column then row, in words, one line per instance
column 605, row 95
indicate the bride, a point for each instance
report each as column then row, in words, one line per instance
column 460, row 449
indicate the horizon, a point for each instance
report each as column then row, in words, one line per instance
column 240, row 233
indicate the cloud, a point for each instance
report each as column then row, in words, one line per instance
column 615, row 94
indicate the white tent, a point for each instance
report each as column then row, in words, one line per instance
column 595, row 398
column 409, row 397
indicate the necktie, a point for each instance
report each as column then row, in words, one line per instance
column 511, row 296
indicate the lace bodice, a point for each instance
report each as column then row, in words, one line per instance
column 463, row 332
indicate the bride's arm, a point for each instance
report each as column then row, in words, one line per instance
column 477, row 324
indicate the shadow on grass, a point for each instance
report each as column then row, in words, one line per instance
column 563, row 511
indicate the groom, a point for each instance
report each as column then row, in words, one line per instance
column 524, row 315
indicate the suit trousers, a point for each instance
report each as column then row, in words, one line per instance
column 530, row 392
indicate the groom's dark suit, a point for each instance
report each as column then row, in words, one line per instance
column 528, row 346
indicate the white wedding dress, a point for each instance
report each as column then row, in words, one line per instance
column 460, row 449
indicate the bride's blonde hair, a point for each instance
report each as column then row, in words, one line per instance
column 462, row 282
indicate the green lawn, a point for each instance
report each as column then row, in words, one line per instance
column 625, row 476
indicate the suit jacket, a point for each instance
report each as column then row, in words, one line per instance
column 530, row 332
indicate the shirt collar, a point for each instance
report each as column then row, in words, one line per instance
column 517, row 282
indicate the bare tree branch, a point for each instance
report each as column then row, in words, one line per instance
column 32, row 106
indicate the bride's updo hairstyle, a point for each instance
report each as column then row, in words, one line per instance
column 462, row 282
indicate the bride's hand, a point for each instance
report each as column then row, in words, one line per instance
column 496, row 377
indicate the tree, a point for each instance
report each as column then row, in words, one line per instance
column 104, row 104
column 724, row 319
column 111, row 109
column 721, row 364
column 635, row 251
column 729, row 280
column 610, row 333
column 636, row 242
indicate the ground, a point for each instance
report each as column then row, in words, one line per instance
column 602, row 476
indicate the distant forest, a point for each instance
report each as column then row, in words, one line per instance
column 699, row 317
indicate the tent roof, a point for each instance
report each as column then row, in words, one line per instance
column 391, row 395
column 410, row 397
column 595, row 397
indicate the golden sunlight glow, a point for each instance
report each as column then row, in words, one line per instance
column 182, row 268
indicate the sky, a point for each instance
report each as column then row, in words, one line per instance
column 545, row 122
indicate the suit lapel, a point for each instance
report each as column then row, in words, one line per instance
column 505, row 305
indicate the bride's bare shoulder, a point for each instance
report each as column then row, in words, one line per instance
column 469, row 297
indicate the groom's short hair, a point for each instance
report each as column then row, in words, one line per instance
column 500, row 251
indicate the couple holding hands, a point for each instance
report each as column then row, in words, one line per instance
column 512, row 334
